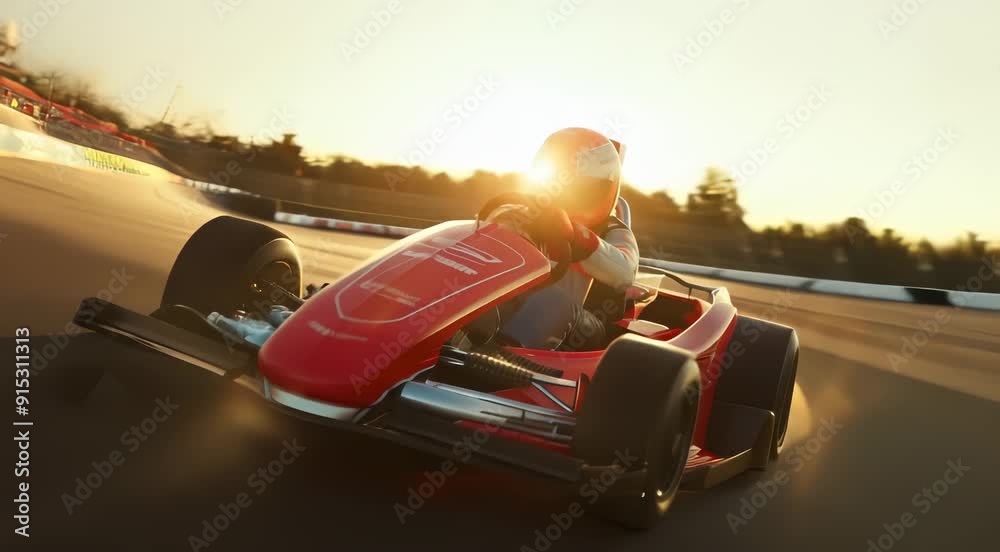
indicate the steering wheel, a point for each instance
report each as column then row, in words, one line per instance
column 535, row 233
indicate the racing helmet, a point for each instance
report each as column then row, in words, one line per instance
column 579, row 170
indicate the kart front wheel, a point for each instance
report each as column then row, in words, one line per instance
column 229, row 263
column 642, row 404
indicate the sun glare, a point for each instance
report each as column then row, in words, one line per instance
column 539, row 175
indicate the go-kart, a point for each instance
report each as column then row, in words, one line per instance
column 412, row 347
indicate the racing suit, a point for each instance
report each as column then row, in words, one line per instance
column 608, row 254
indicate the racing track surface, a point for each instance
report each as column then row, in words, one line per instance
column 64, row 233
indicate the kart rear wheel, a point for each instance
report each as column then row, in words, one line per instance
column 643, row 402
column 224, row 265
column 763, row 372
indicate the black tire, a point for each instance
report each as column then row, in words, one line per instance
column 223, row 263
column 643, row 399
column 246, row 205
column 761, row 374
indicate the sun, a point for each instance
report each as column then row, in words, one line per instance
column 538, row 175
column 506, row 133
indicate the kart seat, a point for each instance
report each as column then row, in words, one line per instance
column 623, row 212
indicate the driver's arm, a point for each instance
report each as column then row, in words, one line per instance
column 615, row 258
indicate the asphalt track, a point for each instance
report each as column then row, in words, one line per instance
column 66, row 234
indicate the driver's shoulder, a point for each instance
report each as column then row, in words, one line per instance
column 613, row 223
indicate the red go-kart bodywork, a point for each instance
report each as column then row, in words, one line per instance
column 365, row 353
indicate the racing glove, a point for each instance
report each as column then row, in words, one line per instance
column 554, row 230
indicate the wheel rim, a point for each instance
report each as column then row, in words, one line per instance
column 275, row 272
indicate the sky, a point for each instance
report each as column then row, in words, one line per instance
column 883, row 109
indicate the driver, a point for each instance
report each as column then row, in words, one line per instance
column 578, row 181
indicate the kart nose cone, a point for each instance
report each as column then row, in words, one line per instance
column 307, row 405
column 361, row 336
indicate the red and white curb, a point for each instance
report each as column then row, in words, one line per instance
column 344, row 225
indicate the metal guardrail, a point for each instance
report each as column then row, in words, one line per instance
column 881, row 292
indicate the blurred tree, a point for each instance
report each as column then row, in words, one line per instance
column 715, row 198
column 926, row 256
column 442, row 182
column 708, row 230
column 857, row 233
column 971, row 246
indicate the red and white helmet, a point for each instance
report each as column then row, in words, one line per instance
column 580, row 170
